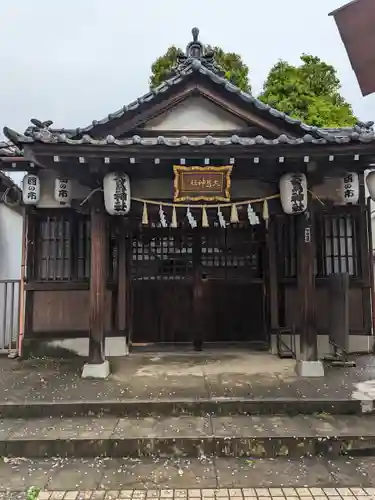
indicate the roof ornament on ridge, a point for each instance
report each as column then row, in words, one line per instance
column 364, row 127
column 197, row 54
column 37, row 126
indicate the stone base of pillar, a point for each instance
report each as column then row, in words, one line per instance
column 310, row 368
column 98, row 371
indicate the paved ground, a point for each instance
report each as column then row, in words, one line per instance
column 198, row 376
column 166, row 474
column 354, row 493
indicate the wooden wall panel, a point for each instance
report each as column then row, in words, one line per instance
column 357, row 298
column 64, row 310
column 291, row 306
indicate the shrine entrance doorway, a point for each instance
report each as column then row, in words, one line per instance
column 163, row 298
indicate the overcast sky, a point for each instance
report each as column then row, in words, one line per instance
column 78, row 60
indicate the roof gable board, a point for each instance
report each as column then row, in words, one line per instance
column 195, row 113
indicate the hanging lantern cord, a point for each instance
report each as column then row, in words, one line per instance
column 89, row 195
column 5, row 197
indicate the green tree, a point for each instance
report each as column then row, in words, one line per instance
column 235, row 70
column 309, row 92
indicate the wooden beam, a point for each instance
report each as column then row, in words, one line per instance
column 315, row 152
column 97, row 279
column 306, row 286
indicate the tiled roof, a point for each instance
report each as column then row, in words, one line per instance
column 197, row 66
column 197, row 61
column 8, row 149
column 49, row 137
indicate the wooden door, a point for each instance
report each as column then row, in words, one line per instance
column 165, row 263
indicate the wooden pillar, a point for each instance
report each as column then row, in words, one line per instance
column 365, row 256
column 30, row 273
column 98, row 279
column 306, row 286
column 123, row 278
column 273, row 284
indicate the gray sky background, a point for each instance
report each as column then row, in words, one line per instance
column 78, row 60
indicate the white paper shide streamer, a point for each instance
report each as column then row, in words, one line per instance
column 163, row 220
column 252, row 216
column 190, row 217
column 220, row 216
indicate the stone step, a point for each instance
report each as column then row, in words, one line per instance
column 237, row 436
column 225, row 406
column 163, row 474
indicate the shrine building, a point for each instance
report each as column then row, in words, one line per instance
column 196, row 216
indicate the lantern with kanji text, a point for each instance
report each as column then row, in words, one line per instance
column 30, row 189
column 63, row 191
column 117, row 197
column 293, row 193
column 349, row 188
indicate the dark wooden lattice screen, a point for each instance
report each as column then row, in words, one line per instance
column 337, row 245
column 54, row 254
column 336, row 241
column 171, row 254
column 63, row 249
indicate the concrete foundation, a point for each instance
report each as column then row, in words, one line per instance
column 100, row 371
column 309, row 368
column 114, row 346
column 357, row 344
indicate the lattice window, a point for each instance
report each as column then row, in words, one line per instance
column 63, row 247
column 171, row 254
column 55, row 249
column 161, row 254
column 232, row 253
column 337, row 246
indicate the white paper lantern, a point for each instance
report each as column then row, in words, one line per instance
column 349, row 188
column 117, row 193
column 63, row 191
column 30, row 189
column 293, row 193
column 370, row 181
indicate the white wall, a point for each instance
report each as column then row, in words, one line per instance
column 10, row 243
column 195, row 113
column 11, row 223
